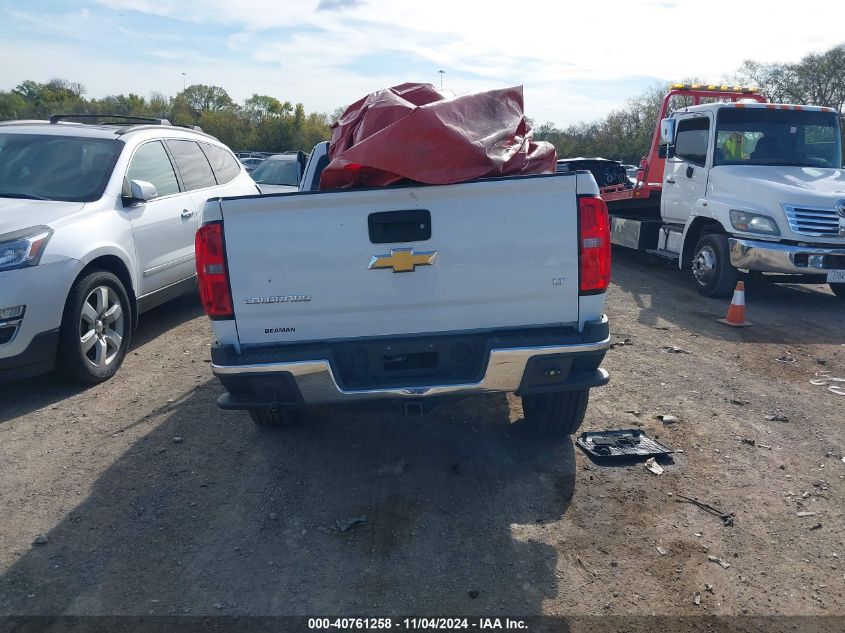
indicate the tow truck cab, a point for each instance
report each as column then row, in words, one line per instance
column 748, row 186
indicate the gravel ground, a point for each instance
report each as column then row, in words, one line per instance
column 153, row 501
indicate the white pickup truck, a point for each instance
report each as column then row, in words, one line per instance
column 409, row 293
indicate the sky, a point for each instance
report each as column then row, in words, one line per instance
column 577, row 60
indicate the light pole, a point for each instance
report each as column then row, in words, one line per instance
column 183, row 81
column 442, row 72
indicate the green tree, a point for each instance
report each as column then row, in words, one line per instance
column 818, row 79
column 201, row 98
column 258, row 107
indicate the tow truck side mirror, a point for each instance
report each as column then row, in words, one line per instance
column 666, row 151
column 667, row 131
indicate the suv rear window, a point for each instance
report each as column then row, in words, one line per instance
column 56, row 167
column 225, row 166
column 192, row 164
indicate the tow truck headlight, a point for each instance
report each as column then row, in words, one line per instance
column 753, row 223
column 23, row 248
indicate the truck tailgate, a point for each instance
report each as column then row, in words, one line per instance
column 502, row 253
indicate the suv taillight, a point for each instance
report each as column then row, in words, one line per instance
column 593, row 245
column 212, row 273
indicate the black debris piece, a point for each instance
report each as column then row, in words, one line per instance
column 624, row 443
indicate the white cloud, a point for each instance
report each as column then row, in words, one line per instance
column 326, row 58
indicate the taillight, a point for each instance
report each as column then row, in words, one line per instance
column 593, row 245
column 212, row 274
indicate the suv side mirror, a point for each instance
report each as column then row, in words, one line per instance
column 140, row 191
column 667, row 131
column 666, row 151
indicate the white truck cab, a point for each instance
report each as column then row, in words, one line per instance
column 747, row 186
column 756, row 187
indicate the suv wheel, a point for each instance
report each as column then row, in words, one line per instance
column 96, row 328
column 712, row 272
column 555, row 414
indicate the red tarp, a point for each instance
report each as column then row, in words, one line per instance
column 414, row 132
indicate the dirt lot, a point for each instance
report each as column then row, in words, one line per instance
column 464, row 513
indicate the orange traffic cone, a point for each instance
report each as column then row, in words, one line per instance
column 736, row 313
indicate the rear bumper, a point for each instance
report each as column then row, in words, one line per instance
column 785, row 258
column 525, row 362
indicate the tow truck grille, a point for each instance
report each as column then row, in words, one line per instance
column 813, row 222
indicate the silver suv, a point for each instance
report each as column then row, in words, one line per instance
column 98, row 217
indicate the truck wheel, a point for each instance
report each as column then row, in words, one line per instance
column 96, row 329
column 712, row 272
column 273, row 417
column 838, row 290
column 555, row 414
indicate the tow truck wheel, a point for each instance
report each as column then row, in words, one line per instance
column 273, row 417
column 712, row 272
column 555, row 414
column 838, row 290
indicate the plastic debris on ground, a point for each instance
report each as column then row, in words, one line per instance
column 623, row 443
column 667, row 419
column 722, row 563
column 414, row 132
column 833, row 384
column 652, row 465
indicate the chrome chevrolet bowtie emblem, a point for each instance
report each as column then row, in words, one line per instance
column 403, row 260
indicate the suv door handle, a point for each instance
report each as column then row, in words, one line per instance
column 670, row 180
column 187, row 214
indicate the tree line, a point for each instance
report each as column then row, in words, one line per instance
column 265, row 123
column 261, row 123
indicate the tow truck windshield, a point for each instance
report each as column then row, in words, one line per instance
column 762, row 136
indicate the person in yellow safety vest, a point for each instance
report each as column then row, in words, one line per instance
column 732, row 147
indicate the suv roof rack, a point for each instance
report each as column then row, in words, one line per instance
column 116, row 118
column 195, row 128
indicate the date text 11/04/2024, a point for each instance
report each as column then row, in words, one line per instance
column 448, row 624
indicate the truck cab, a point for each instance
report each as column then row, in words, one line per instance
column 754, row 187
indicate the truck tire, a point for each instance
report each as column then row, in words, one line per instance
column 838, row 290
column 96, row 328
column 711, row 268
column 274, row 417
column 555, row 414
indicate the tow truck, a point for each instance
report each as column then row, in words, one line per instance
column 738, row 185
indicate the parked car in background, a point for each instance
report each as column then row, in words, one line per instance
column 97, row 224
column 608, row 173
column 280, row 173
column 251, row 163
